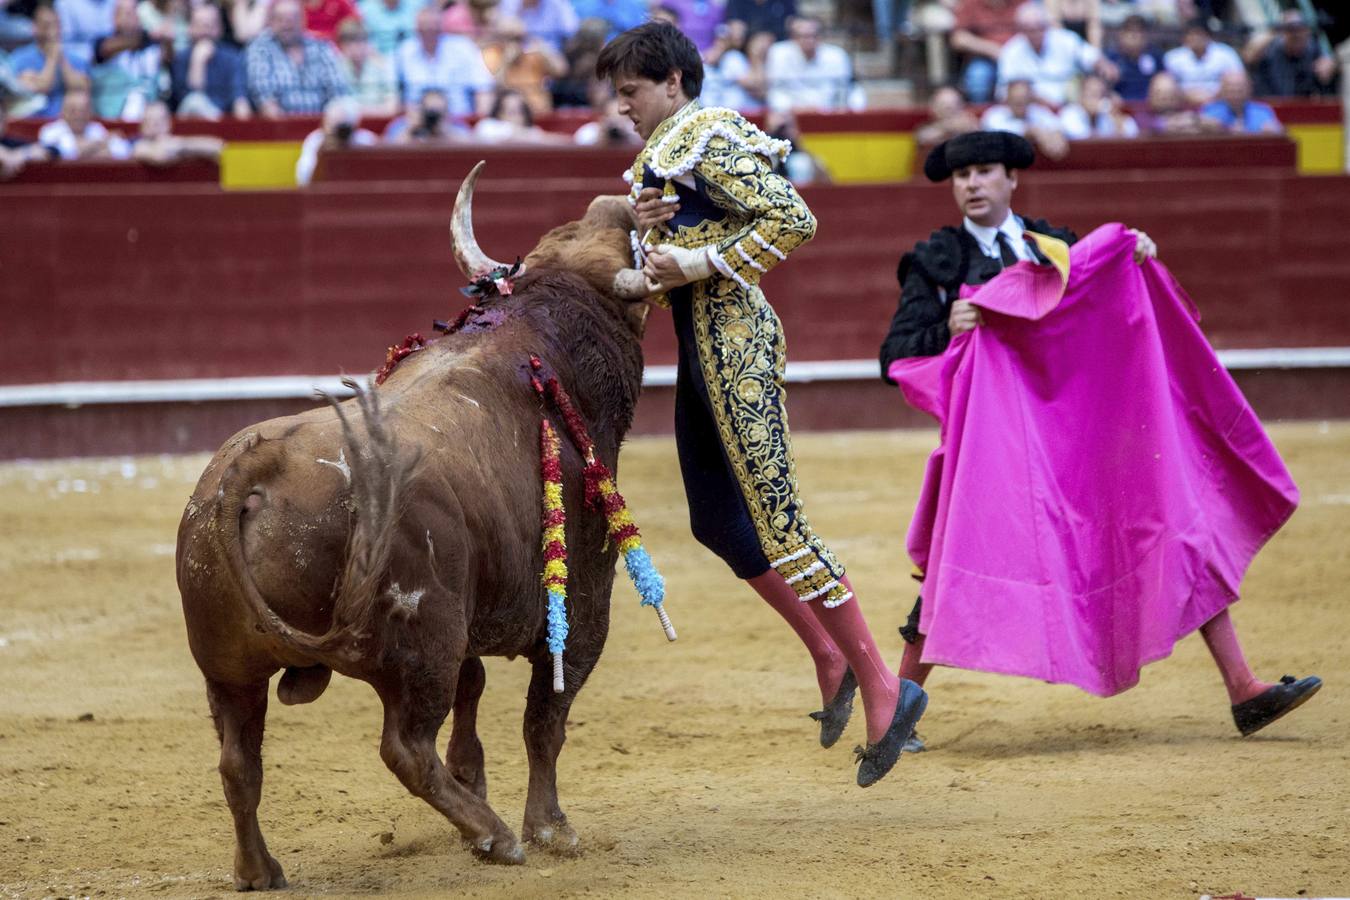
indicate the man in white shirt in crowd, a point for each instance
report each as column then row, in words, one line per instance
column 82, row 23
column 340, row 130
column 804, row 74
column 77, row 136
column 448, row 62
column 1048, row 56
column 1020, row 114
column 1200, row 62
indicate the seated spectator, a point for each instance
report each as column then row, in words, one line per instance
column 699, row 19
column 166, row 20
column 609, row 128
column 1236, row 112
column 1082, row 17
column 322, row 17
column 82, row 23
column 550, row 21
column 1168, row 112
column 523, row 64
column 428, row 122
column 15, row 153
column 1021, row 114
column 448, row 62
column 804, row 73
column 126, row 67
column 340, row 130
column 580, row 52
column 77, row 136
column 762, row 15
column 469, row 18
column 157, row 145
column 621, row 15
column 1098, row 113
column 207, row 79
column 727, row 76
column 1050, row 58
column 979, row 31
column 388, row 23
column 800, row 167
column 510, row 121
column 44, row 69
column 950, row 118
column 1291, row 65
column 370, row 74
column 289, row 72
column 1199, row 62
column 1135, row 60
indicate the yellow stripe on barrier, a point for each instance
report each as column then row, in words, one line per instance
column 1321, row 150
column 258, row 165
column 866, row 156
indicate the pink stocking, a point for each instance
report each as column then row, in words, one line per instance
column 1222, row 640
column 878, row 685
column 911, row 665
column 830, row 663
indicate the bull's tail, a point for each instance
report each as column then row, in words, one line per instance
column 379, row 478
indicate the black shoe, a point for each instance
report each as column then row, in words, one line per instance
column 835, row 715
column 1252, row 715
column 915, row 744
column 878, row 759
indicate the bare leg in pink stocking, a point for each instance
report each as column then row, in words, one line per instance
column 1222, row 640
column 829, row 661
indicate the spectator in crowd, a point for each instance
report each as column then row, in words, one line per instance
column 82, row 23
column 609, row 129
column 1136, row 62
column 44, row 68
column 799, row 167
column 979, row 31
column 15, row 27
column 1291, row 65
column 580, row 52
column 77, row 136
column 1050, row 58
column 15, row 153
column 340, row 130
column 804, row 73
column 1168, row 111
column 469, row 18
column 388, row 23
column 523, row 64
column 157, row 145
column 1098, row 113
column 449, row 62
column 166, row 20
column 1199, row 62
column 322, row 17
column 428, row 122
column 126, row 68
column 247, row 19
column 207, row 79
column 509, row 121
column 724, row 65
column 762, row 15
column 620, row 14
column 288, row 71
column 698, row 19
column 1022, row 115
column 950, row 118
column 1236, row 112
column 370, row 74
column 1082, row 17
column 550, row 21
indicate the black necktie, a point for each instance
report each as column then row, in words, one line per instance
column 1005, row 250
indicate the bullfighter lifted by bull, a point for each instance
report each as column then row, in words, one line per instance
column 712, row 219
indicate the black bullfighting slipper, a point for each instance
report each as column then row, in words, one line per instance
column 878, row 759
column 835, row 715
column 1278, row 700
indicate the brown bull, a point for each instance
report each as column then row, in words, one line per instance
column 395, row 538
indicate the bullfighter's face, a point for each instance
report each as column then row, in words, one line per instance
column 648, row 103
column 984, row 192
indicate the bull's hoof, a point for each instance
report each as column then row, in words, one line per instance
column 557, row 838
column 502, row 851
column 265, row 877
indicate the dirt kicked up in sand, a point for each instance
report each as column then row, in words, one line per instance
column 691, row 769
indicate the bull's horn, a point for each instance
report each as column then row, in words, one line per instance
column 473, row 262
column 631, row 284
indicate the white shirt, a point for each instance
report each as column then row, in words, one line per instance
column 313, row 143
column 987, row 237
column 59, row 136
column 1077, row 124
column 823, row 82
column 456, row 67
column 1001, row 118
column 1202, row 74
column 1064, row 56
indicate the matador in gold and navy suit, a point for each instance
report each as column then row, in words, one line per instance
column 731, row 426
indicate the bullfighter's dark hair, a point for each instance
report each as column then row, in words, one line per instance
column 653, row 50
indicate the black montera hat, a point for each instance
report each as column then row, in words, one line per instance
column 977, row 147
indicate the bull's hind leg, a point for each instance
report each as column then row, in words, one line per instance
column 413, row 715
column 464, row 755
column 239, row 714
column 546, row 824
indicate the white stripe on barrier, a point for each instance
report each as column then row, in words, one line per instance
column 280, row 387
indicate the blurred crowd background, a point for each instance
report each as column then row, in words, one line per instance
column 111, row 76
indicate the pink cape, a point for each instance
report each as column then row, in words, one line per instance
column 1101, row 484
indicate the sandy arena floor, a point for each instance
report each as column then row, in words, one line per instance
column 691, row 768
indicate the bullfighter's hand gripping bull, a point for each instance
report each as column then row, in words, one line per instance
column 395, row 538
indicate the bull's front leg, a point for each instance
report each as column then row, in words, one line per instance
column 239, row 714
column 546, row 824
column 464, row 755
